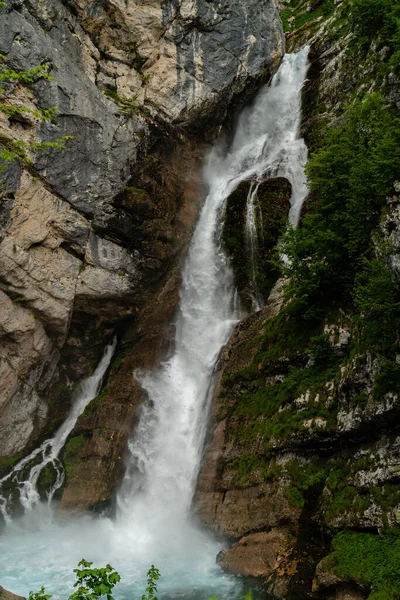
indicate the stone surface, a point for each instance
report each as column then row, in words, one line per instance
column 5, row 595
column 256, row 555
column 183, row 60
column 272, row 200
column 86, row 233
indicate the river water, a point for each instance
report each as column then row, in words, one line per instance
column 153, row 522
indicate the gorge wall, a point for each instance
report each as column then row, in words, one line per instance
column 300, row 472
column 92, row 236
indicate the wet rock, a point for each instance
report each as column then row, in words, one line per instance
column 5, row 595
column 186, row 59
column 78, row 245
column 272, row 208
column 256, row 555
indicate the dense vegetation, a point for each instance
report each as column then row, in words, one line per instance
column 372, row 560
column 336, row 256
column 339, row 272
column 379, row 20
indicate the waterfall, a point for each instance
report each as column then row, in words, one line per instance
column 251, row 237
column 153, row 523
column 283, row 152
column 24, row 476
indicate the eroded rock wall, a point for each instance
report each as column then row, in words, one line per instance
column 304, row 436
column 92, row 237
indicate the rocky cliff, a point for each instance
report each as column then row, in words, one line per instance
column 92, row 236
column 300, row 472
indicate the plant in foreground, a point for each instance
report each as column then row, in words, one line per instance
column 94, row 583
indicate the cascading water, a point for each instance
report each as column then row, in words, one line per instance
column 283, row 152
column 153, row 523
column 24, row 477
column 251, row 237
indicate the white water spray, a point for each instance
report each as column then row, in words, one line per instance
column 251, row 237
column 25, row 474
column 281, row 150
column 153, row 523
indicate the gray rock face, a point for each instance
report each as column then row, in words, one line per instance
column 73, row 240
column 104, row 143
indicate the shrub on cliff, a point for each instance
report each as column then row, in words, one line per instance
column 376, row 18
column 12, row 150
column 350, row 178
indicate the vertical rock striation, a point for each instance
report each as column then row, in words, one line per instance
column 91, row 238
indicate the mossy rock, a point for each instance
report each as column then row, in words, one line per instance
column 273, row 205
column 71, row 454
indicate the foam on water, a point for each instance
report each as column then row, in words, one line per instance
column 153, row 523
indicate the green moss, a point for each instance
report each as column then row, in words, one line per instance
column 295, row 497
column 118, row 359
column 7, row 462
column 388, row 380
column 388, row 496
column 95, row 402
column 272, row 207
column 271, row 410
column 71, row 452
column 341, row 502
column 138, row 192
column 299, row 12
column 47, row 477
column 370, row 560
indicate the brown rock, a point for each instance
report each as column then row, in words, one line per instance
column 325, row 575
column 254, row 508
column 5, row 595
column 257, row 555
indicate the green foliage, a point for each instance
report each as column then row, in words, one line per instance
column 18, row 150
column 71, row 451
column 378, row 303
column 153, row 575
column 388, row 379
column 298, row 13
column 8, row 461
column 350, row 178
column 295, row 497
column 346, row 500
column 320, row 350
column 93, row 583
column 370, row 560
column 40, row 595
column 378, row 20
column 128, row 106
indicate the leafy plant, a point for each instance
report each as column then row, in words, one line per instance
column 350, row 179
column 372, row 560
column 128, row 106
column 153, row 575
column 40, row 595
column 18, row 150
column 93, row 583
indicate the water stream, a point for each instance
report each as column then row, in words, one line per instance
column 24, row 476
column 153, row 522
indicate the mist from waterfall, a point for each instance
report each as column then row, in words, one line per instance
column 154, row 523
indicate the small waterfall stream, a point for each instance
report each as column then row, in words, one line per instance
column 153, row 523
column 251, row 237
column 25, row 474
